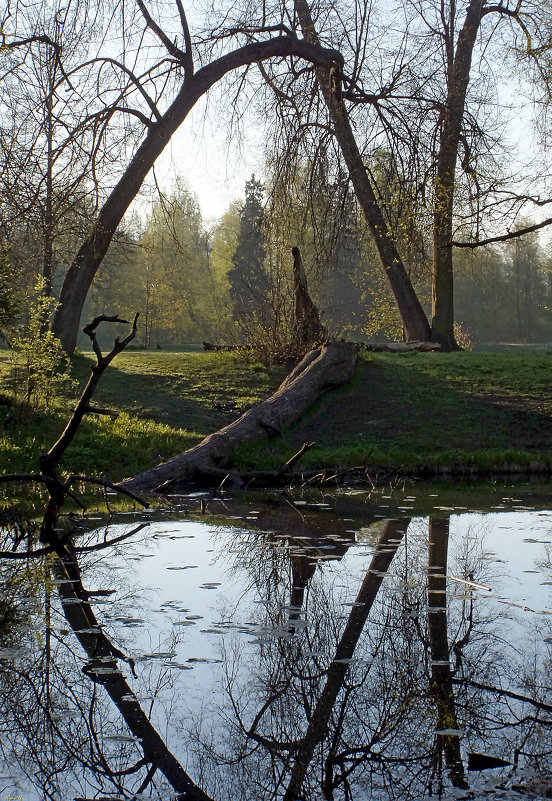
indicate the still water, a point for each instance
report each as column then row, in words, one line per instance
column 343, row 646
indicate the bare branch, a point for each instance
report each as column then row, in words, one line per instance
column 108, row 485
column 175, row 51
column 504, row 237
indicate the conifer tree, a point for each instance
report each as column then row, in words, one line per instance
column 248, row 280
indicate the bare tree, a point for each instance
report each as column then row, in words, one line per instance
column 52, row 150
column 420, row 87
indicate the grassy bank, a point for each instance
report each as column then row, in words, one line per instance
column 167, row 402
column 411, row 412
column 401, row 412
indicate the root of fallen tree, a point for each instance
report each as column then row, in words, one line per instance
column 210, row 461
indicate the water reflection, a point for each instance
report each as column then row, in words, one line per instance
column 362, row 658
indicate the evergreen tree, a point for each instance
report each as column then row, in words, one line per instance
column 248, row 280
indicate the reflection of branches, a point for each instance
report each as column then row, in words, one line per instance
column 318, row 724
column 503, row 693
column 102, row 669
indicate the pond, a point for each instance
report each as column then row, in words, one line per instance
column 350, row 645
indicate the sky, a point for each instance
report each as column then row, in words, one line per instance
column 214, row 167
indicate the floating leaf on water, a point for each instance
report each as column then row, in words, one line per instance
column 204, row 660
column 451, row 732
column 182, row 567
column 160, row 655
column 120, row 738
column 183, row 622
column 104, row 671
column 477, row 762
column 194, row 617
column 344, row 661
column 470, row 583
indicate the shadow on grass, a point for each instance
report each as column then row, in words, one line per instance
column 405, row 412
column 197, row 394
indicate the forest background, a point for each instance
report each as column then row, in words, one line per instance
column 73, row 111
column 231, row 281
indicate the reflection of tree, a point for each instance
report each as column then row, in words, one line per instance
column 369, row 724
column 103, row 669
column 441, row 674
column 341, row 691
column 51, row 700
column 319, row 722
column 295, row 713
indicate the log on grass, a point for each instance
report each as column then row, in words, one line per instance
column 399, row 347
column 321, row 369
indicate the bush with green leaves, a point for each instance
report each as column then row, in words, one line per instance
column 39, row 369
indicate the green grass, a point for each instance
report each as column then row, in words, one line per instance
column 411, row 411
column 401, row 412
column 167, row 402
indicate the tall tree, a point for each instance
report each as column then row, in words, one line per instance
column 47, row 167
column 420, row 102
column 248, row 280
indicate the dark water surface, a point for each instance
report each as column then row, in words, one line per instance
column 347, row 645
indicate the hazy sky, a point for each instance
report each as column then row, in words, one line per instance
column 214, row 164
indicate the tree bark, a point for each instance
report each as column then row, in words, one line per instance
column 324, row 368
column 81, row 273
column 413, row 316
column 459, row 66
column 308, row 329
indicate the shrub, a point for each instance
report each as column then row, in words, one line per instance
column 39, row 369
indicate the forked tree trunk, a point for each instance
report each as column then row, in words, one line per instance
column 324, row 368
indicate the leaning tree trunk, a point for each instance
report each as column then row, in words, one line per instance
column 413, row 316
column 319, row 724
column 324, row 368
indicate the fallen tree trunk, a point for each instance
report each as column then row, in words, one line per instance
column 399, row 347
column 324, row 368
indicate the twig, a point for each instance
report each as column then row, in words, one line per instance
column 108, row 485
column 290, row 462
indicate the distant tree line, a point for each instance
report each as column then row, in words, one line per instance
column 387, row 156
column 234, row 283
